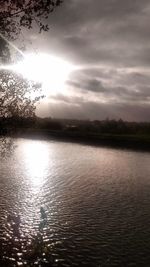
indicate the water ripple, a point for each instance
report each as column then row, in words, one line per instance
column 96, row 204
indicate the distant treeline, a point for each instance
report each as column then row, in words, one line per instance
column 112, row 127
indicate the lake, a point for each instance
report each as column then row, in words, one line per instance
column 67, row 204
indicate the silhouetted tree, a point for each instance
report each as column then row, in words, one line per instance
column 15, row 14
column 4, row 51
column 18, row 95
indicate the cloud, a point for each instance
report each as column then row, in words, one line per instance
column 106, row 31
column 100, row 111
column 122, row 84
column 109, row 42
column 93, row 85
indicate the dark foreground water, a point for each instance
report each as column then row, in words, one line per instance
column 96, row 206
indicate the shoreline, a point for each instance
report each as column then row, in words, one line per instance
column 134, row 142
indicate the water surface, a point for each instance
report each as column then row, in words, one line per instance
column 97, row 202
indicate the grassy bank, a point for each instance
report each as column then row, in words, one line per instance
column 138, row 142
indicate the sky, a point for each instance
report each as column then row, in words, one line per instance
column 109, row 42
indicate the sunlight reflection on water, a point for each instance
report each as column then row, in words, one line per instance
column 96, row 202
column 36, row 160
column 37, row 167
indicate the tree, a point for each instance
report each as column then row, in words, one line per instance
column 15, row 14
column 17, row 95
column 4, row 51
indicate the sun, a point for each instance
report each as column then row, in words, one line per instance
column 51, row 71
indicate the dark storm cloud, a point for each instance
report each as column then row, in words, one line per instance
column 131, row 86
column 103, row 31
column 92, row 85
column 76, row 11
column 109, row 40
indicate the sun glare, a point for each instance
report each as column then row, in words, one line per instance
column 36, row 157
column 52, row 72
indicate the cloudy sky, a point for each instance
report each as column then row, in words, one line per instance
column 109, row 41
